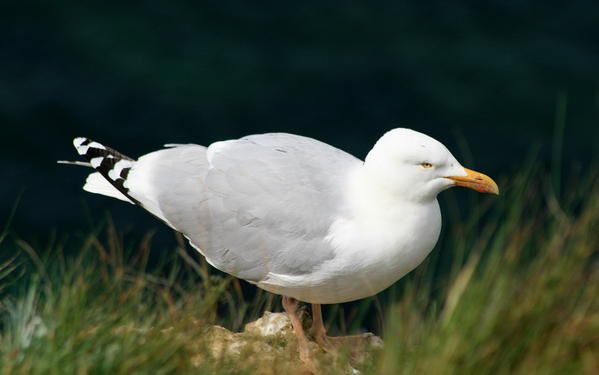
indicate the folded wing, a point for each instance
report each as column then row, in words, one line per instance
column 253, row 206
column 270, row 201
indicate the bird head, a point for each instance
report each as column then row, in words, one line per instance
column 418, row 167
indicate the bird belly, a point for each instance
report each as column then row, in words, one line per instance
column 369, row 259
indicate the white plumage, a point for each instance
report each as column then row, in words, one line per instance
column 97, row 184
column 293, row 215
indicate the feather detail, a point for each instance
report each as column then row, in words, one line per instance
column 111, row 164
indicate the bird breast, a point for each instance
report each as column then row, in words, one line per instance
column 370, row 255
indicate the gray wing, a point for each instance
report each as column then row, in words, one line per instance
column 269, row 202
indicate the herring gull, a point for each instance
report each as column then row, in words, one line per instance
column 293, row 215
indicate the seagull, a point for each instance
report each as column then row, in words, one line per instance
column 292, row 215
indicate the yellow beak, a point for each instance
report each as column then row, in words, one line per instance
column 476, row 181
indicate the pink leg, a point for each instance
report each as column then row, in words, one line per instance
column 291, row 307
column 318, row 330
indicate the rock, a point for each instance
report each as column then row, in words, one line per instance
column 224, row 342
column 270, row 324
column 270, row 345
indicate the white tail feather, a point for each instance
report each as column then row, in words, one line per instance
column 167, row 183
column 96, row 183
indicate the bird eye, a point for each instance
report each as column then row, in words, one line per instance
column 426, row 165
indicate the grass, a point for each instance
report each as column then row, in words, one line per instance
column 524, row 301
column 511, row 288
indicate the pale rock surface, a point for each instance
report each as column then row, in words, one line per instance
column 270, row 339
column 270, row 324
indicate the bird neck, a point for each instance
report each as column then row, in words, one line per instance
column 384, row 237
column 371, row 194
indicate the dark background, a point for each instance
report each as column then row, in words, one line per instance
column 485, row 78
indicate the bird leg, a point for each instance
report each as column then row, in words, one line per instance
column 291, row 306
column 318, row 330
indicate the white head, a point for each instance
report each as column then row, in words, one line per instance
column 417, row 167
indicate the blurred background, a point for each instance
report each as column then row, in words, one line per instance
column 511, row 87
column 495, row 82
